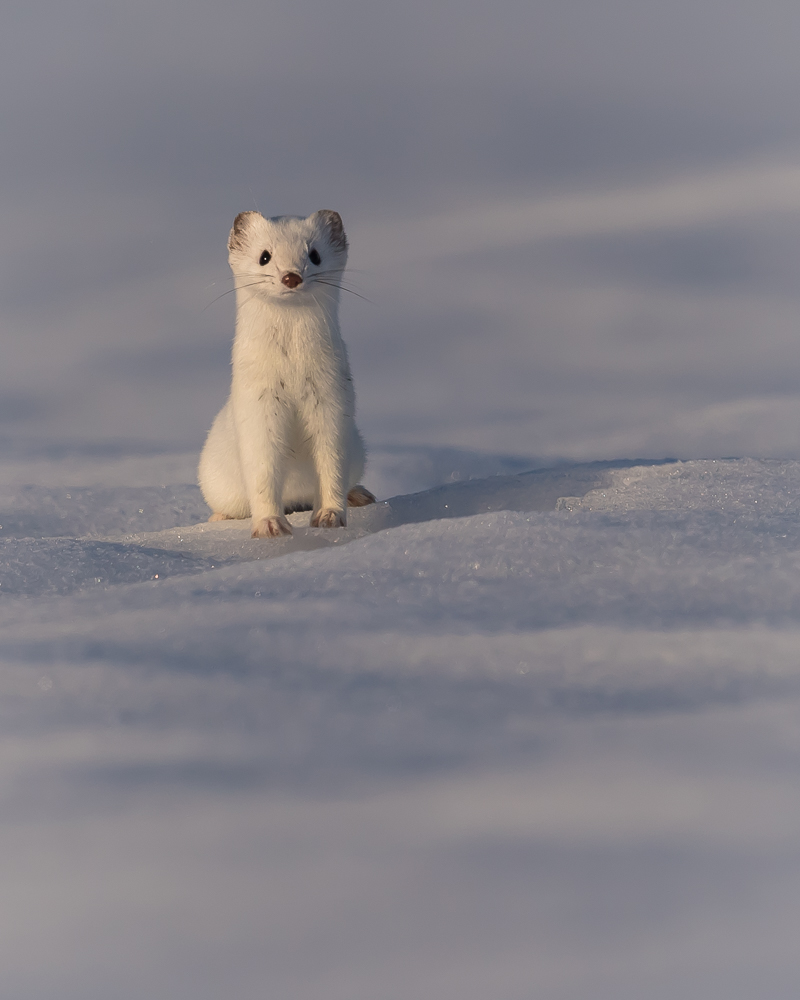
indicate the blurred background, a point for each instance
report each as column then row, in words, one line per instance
column 577, row 225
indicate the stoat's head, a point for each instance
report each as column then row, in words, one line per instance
column 288, row 258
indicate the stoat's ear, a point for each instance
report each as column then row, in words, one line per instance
column 332, row 222
column 241, row 224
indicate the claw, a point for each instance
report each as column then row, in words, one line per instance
column 328, row 518
column 271, row 527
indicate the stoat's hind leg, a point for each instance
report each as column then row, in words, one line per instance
column 219, row 472
column 359, row 496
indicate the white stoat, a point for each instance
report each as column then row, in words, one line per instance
column 286, row 438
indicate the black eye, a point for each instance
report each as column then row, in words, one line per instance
column 314, row 257
column 265, row 258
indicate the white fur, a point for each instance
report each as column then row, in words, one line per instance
column 287, row 434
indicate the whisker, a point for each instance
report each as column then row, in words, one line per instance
column 344, row 288
column 228, row 292
column 345, row 267
column 330, row 272
column 333, row 276
column 242, row 274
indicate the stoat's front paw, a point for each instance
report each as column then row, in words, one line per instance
column 220, row 517
column 271, row 527
column 328, row 518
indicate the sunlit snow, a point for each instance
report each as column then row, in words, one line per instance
column 530, row 735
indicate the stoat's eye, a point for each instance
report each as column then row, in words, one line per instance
column 314, row 257
column 265, row 258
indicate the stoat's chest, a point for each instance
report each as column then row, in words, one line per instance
column 295, row 352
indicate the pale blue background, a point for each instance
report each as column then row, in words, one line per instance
column 132, row 135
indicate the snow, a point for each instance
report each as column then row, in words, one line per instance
column 534, row 734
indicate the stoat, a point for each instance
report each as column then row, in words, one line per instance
column 286, row 439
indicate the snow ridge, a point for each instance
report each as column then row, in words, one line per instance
column 555, row 698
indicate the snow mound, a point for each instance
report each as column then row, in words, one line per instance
column 45, row 512
column 531, row 491
column 486, row 728
column 734, row 485
column 676, row 541
column 35, row 567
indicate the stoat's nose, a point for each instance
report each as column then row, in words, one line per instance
column 291, row 279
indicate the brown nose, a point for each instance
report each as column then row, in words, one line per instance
column 292, row 279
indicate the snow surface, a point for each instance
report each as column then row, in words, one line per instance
column 531, row 735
